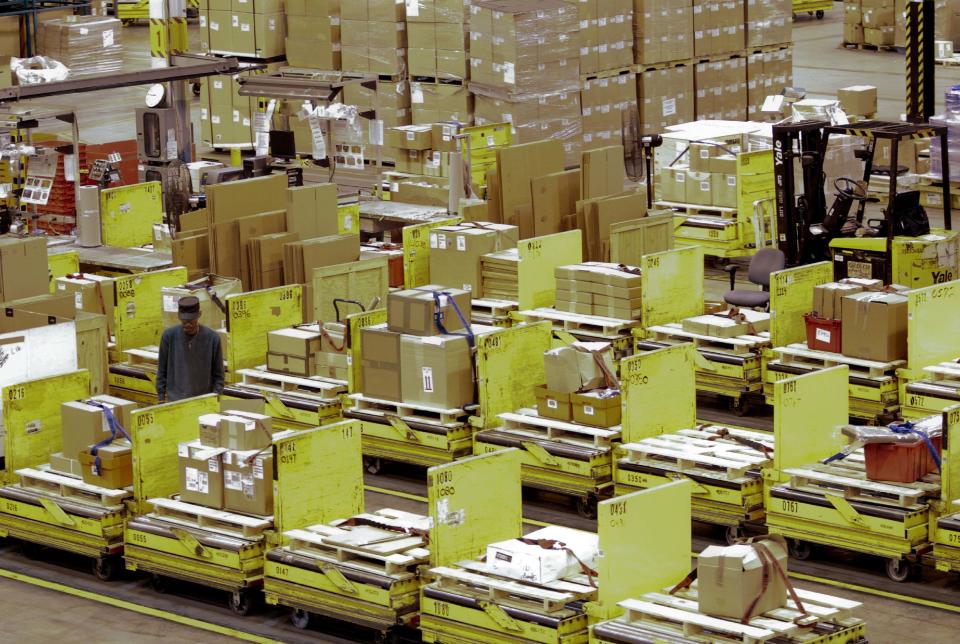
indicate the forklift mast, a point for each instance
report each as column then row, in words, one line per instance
column 793, row 142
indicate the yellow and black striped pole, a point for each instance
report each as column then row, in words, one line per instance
column 920, row 93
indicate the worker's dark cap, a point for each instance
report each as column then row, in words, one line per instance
column 188, row 308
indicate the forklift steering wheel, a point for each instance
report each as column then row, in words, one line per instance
column 852, row 190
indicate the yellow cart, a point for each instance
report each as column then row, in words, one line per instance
column 812, row 7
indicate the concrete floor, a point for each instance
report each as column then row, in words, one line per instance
column 33, row 613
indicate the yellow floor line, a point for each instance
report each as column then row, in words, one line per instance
column 136, row 608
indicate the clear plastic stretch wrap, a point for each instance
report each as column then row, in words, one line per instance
column 85, row 44
column 547, row 116
column 769, row 22
column 950, row 118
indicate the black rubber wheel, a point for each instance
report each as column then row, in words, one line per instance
column 800, row 550
column 300, row 618
column 739, row 407
column 387, row 637
column 732, row 534
column 899, row 570
column 241, row 603
column 820, row 14
column 372, row 465
column 159, row 583
column 587, row 507
column 106, row 568
column 196, row 88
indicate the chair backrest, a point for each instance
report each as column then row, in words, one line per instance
column 766, row 261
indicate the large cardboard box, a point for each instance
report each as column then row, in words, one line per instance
column 116, row 466
column 828, row 299
column 244, row 431
column 414, row 311
column 875, row 326
column 91, row 293
column 380, row 363
column 599, row 408
column 455, row 252
column 553, row 404
column 437, row 371
column 312, row 210
column 531, row 562
column 23, row 268
column 860, row 100
column 577, row 367
column 731, row 579
column 83, row 425
column 201, row 474
column 248, row 482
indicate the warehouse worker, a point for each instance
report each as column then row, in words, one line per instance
column 191, row 360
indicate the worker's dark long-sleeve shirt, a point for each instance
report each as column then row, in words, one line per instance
column 189, row 366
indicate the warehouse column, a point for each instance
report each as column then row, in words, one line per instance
column 168, row 37
column 921, row 96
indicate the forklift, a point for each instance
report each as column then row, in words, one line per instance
column 887, row 248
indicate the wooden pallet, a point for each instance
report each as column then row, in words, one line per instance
column 277, row 383
column 945, row 372
column 526, row 422
column 493, row 309
column 58, row 485
column 610, row 73
column 679, row 615
column 868, row 47
column 694, row 210
column 688, row 454
column 708, row 431
column 143, row 357
column 593, row 325
column 579, row 589
column 830, row 479
column 799, row 354
column 396, row 553
column 198, row 516
column 407, row 411
column 953, row 61
column 739, row 345
column 497, row 589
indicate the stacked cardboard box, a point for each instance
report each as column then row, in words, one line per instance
column 708, row 178
column 23, row 268
column 436, row 102
column 226, row 118
column 524, row 68
column 852, row 22
column 606, row 35
column 299, row 258
column 666, row 97
column 768, row 73
column 456, row 251
column 718, row 26
column 437, row 35
column 499, row 275
column 581, row 385
column 728, row 324
column 309, row 350
column 721, row 90
column 85, row 44
column 91, row 293
column 870, row 22
column 409, row 360
column 663, row 31
column 374, row 37
column 230, row 467
column 604, row 102
column 598, row 288
column 313, row 34
column 391, row 100
column 251, row 28
column 769, row 22
column 84, row 424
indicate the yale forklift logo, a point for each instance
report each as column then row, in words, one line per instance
column 778, row 152
column 942, row 277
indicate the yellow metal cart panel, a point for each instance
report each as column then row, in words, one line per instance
column 416, row 251
column 509, row 363
column 659, row 392
column 138, row 316
column 250, row 316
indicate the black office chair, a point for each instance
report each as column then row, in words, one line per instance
column 766, row 261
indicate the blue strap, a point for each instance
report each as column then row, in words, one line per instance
column 115, row 429
column 438, row 316
column 908, row 428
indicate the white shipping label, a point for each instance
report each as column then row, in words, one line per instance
column 235, row 21
column 822, row 335
column 669, row 106
column 433, row 238
column 442, row 242
column 214, row 26
column 416, row 94
column 318, row 140
column 461, row 243
column 413, row 8
column 587, row 410
column 245, row 27
column 427, row 380
column 732, row 181
column 704, row 153
column 509, row 73
column 232, row 481
column 411, row 136
column 213, row 464
column 248, row 486
column 680, row 177
column 78, row 300
column 551, row 403
column 183, row 450
column 190, row 476
column 704, row 186
column 236, row 116
column 203, row 482
column 108, row 38
column 347, row 223
column 258, row 469
column 84, row 31
column 170, row 303
column 215, row 119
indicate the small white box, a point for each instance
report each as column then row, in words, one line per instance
column 533, row 563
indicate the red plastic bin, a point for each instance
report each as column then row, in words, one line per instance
column 823, row 334
column 900, row 463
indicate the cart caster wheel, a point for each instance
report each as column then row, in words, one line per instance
column 372, row 465
column 386, row 637
column 31, row 550
column 899, row 570
column 800, row 550
column 196, row 88
column 126, row 23
column 159, row 583
column 106, row 568
column 739, row 407
column 732, row 534
column 241, row 603
column 820, row 14
column 587, row 507
column 300, row 618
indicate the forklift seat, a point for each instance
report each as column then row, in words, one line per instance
column 766, row 261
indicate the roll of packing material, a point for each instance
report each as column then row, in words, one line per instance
column 88, row 217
